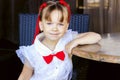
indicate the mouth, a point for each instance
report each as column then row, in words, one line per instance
column 54, row 33
column 55, row 36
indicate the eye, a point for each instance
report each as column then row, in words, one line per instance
column 49, row 23
column 61, row 24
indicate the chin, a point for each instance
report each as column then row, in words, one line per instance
column 55, row 39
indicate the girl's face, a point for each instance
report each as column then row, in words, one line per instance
column 54, row 29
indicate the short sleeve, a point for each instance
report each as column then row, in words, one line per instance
column 20, row 53
column 24, row 55
column 72, row 34
column 69, row 36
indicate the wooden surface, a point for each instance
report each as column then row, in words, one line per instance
column 107, row 50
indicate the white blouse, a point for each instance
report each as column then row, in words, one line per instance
column 57, row 69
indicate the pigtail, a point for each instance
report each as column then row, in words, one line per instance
column 37, row 28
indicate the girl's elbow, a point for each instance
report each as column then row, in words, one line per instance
column 96, row 35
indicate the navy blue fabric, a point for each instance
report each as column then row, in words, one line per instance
column 79, row 22
column 27, row 22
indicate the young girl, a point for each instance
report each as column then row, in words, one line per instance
column 49, row 57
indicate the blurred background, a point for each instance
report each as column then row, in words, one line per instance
column 104, row 18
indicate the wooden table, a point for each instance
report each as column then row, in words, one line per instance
column 107, row 50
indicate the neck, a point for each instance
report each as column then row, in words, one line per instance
column 50, row 43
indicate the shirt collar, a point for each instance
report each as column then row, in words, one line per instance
column 42, row 49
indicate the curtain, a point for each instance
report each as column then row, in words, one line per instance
column 1, row 19
column 9, row 19
column 104, row 15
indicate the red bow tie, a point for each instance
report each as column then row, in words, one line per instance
column 60, row 55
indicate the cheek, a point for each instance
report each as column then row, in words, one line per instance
column 67, row 25
column 45, row 27
column 66, row 28
column 63, row 30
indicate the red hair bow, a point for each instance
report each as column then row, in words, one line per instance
column 37, row 29
column 43, row 6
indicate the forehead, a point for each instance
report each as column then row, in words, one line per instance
column 56, row 15
column 60, row 13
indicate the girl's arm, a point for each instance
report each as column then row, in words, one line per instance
column 83, row 38
column 26, row 73
column 87, row 38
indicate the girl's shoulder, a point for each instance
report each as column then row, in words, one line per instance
column 70, row 31
column 25, row 51
column 26, row 48
column 70, row 34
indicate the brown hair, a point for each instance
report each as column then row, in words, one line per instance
column 51, row 6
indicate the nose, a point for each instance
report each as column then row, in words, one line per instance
column 55, row 27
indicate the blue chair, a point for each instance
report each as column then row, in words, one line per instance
column 26, row 28
column 79, row 22
column 27, row 22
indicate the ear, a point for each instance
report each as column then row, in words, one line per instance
column 40, row 26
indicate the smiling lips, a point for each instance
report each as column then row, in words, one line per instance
column 54, row 33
